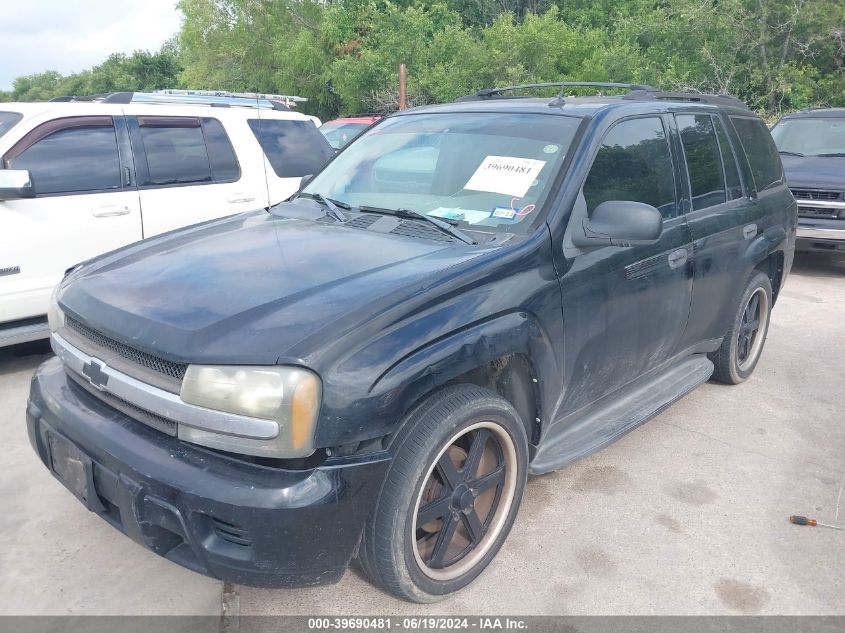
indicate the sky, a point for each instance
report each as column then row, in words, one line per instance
column 72, row 35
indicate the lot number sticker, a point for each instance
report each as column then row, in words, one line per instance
column 507, row 175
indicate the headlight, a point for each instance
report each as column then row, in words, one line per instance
column 288, row 395
column 55, row 316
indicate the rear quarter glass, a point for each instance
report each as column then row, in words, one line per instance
column 293, row 148
column 760, row 150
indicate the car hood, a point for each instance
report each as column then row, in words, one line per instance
column 249, row 288
column 813, row 172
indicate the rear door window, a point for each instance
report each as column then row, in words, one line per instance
column 294, row 148
column 175, row 151
column 633, row 163
column 79, row 156
column 704, row 162
column 183, row 151
column 760, row 150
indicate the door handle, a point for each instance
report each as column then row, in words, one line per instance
column 678, row 258
column 749, row 231
column 240, row 197
column 110, row 210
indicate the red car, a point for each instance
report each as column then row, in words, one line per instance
column 340, row 131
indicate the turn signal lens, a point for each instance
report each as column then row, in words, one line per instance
column 306, row 403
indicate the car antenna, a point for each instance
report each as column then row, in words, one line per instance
column 559, row 101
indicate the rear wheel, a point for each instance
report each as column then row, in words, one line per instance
column 737, row 357
column 451, row 494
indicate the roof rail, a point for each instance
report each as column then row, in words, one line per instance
column 492, row 93
column 214, row 98
column 646, row 94
column 69, row 98
column 636, row 92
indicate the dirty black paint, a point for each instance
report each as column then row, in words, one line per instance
column 385, row 319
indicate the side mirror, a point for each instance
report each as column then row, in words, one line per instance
column 16, row 184
column 305, row 180
column 620, row 223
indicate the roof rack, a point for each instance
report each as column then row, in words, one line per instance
column 644, row 94
column 636, row 92
column 493, row 93
column 69, row 98
column 214, row 98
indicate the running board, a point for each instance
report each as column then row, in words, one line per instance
column 594, row 427
column 24, row 333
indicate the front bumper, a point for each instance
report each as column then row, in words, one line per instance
column 219, row 515
column 826, row 235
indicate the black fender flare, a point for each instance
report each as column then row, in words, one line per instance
column 771, row 240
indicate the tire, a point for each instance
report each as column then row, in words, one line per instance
column 425, row 563
column 737, row 357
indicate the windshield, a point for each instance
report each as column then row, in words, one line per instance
column 8, row 120
column 810, row 137
column 475, row 169
column 339, row 134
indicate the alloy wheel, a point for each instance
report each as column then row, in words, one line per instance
column 464, row 501
column 752, row 328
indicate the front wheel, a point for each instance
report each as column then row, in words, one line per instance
column 737, row 357
column 450, row 497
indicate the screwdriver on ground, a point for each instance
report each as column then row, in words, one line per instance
column 799, row 520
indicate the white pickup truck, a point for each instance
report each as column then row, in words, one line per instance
column 83, row 177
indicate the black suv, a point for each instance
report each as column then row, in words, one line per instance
column 812, row 144
column 467, row 294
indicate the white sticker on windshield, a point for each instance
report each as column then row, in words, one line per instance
column 507, row 175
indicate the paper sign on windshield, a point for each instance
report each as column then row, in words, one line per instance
column 507, row 175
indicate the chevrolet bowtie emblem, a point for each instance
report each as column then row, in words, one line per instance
column 93, row 371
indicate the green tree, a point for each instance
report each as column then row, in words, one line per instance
column 141, row 71
column 343, row 55
column 36, row 87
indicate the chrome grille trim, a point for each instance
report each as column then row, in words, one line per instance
column 160, row 402
column 820, row 208
column 822, row 204
column 157, row 422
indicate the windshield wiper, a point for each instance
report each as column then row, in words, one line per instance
column 333, row 206
column 832, row 155
column 443, row 225
column 788, row 153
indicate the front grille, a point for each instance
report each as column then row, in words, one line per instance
column 154, row 363
column 153, row 420
column 812, row 194
column 818, row 212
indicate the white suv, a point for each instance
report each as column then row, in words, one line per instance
column 84, row 177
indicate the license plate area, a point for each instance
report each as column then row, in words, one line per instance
column 75, row 470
